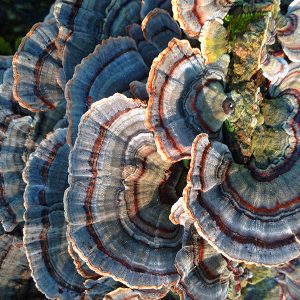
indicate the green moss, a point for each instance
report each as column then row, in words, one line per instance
column 237, row 24
column 186, row 163
column 18, row 42
column 5, row 48
column 228, row 125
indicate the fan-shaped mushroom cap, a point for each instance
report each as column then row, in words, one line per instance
column 281, row 115
column 5, row 63
column 116, row 206
column 159, row 28
column 45, row 239
column 14, row 135
column 147, row 50
column 15, row 282
column 274, row 67
column 213, row 38
column 191, row 14
column 288, row 31
column 203, row 272
column 80, row 24
column 97, row 289
column 126, row 293
column 148, row 5
column 185, row 98
column 36, row 68
column 109, row 69
column 246, row 216
column 83, row 24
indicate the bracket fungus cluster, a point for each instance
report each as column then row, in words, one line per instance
column 149, row 149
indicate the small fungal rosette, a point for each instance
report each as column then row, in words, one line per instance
column 139, row 90
column 46, row 175
column 203, row 271
column 120, row 197
column 186, row 97
column 291, row 282
column 273, row 67
column 36, row 66
column 159, row 28
column 192, row 14
column 244, row 216
column 113, row 65
column 288, row 31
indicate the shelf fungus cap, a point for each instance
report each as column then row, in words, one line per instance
column 159, row 28
column 12, row 150
column 113, row 65
column 291, row 271
column 80, row 28
column 46, row 175
column 202, row 270
column 213, row 39
column 274, row 67
column 192, row 14
column 116, row 206
column 36, row 67
column 281, row 129
column 288, row 31
column 178, row 215
column 244, row 216
column 185, row 98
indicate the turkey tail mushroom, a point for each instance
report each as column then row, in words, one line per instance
column 159, row 28
column 192, row 14
column 109, row 69
column 244, row 217
column 203, row 271
column 14, row 132
column 116, row 211
column 45, row 239
column 36, row 68
column 185, row 98
column 288, row 31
